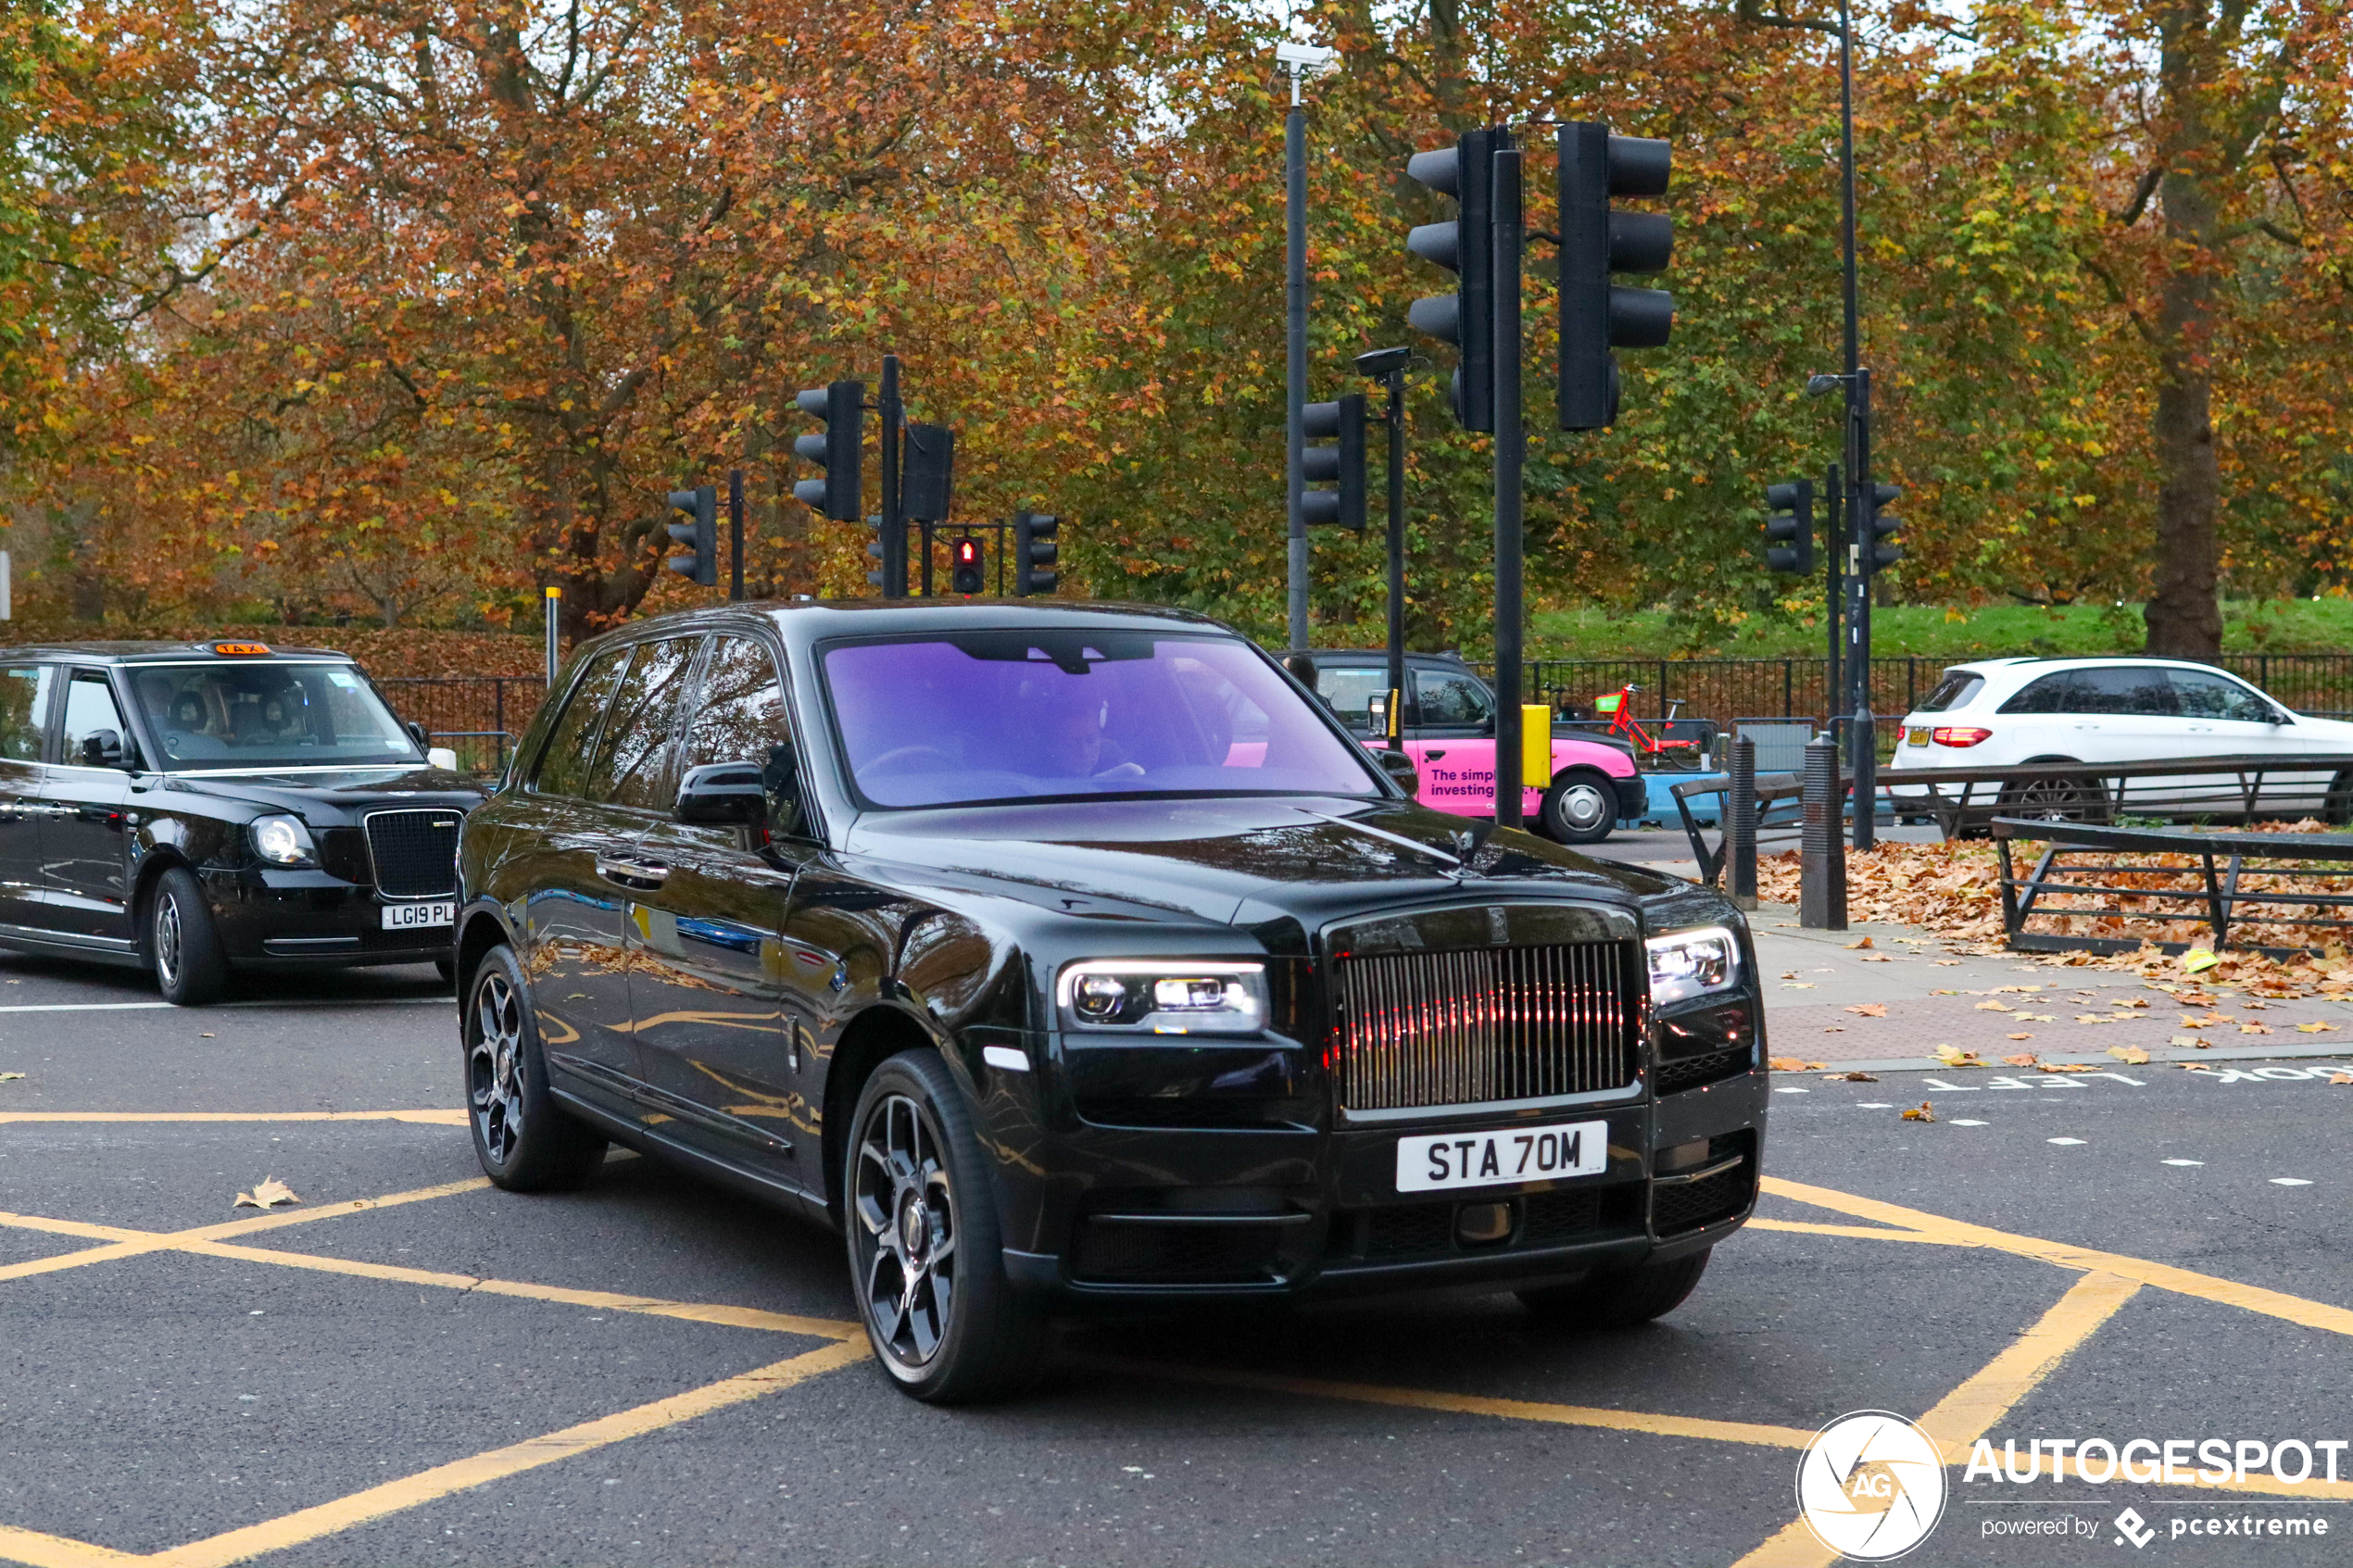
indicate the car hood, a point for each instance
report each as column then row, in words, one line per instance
column 1244, row 861
column 325, row 797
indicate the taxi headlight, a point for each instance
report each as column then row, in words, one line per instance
column 1692, row 963
column 1162, row 996
column 282, row 841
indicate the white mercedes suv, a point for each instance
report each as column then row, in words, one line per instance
column 2002, row 712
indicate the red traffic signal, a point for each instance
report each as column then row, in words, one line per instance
column 969, row 576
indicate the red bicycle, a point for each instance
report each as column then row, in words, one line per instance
column 1661, row 748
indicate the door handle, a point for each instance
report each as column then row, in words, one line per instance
column 631, row 873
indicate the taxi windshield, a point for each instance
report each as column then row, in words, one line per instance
column 218, row 715
column 1004, row 716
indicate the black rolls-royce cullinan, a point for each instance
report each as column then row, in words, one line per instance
column 1070, row 955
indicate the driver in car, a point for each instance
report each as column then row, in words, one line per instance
column 1071, row 746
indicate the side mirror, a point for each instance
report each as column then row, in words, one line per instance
column 723, row 795
column 102, row 748
column 417, row 733
column 1401, row 769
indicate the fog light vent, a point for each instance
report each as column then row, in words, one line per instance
column 1484, row 1225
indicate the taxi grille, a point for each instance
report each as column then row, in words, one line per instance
column 1468, row 1028
column 414, row 853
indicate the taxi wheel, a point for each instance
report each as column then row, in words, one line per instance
column 1580, row 808
column 927, row 1260
column 1617, row 1298
column 525, row 1140
column 183, row 945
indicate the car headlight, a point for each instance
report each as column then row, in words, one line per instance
column 1692, row 963
column 1158, row 996
column 282, row 841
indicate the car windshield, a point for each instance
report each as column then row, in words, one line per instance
column 1001, row 716
column 267, row 715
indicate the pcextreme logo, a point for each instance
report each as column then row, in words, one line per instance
column 1871, row 1486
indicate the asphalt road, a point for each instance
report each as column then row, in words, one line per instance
column 2114, row 1256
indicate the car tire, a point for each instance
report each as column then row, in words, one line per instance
column 184, row 942
column 1617, row 1298
column 2056, row 799
column 919, row 1212
column 2337, row 808
column 1580, row 808
column 523, row 1139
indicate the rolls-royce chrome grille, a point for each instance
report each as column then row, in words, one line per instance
column 1473, row 1027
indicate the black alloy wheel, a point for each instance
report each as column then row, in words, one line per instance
column 525, row 1140
column 925, row 1255
column 184, row 945
column 1617, row 1298
column 2337, row 808
column 1580, row 808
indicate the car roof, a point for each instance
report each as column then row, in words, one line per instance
column 1375, row 655
column 162, row 653
column 804, row 621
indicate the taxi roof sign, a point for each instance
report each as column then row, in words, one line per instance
column 242, row 650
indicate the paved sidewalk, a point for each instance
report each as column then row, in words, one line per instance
column 1936, row 997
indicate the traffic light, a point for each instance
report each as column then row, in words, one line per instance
column 1034, row 548
column 1791, row 527
column 1465, row 317
column 842, row 406
column 1597, row 316
column 970, row 576
column 1343, row 422
column 874, row 552
column 930, row 469
column 701, row 535
column 1882, row 549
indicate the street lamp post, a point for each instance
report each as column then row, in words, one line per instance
column 1388, row 366
column 1299, row 61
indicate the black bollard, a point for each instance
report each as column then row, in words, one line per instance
column 1866, row 770
column 1822, row 896
column 1740, row 825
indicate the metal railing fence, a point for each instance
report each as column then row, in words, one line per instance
column 476, row 716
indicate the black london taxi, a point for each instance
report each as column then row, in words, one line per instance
column 199, row 807
column 1067, row 957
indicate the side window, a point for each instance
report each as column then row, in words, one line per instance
column 2049, row 695
column 24, row 710
column 2212, row 697
column 90, row 709
column 563, row 761
column 741, row 713
column 2137, row 690
column 1351, row 689
column 1450, row 699
column 633, row 756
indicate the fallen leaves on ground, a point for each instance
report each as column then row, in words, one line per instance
column 2255, row 1028
column 1993, row 1007
column 2188, row 1041
column 1869, row 1009
column 1953, row 1056
column 2021, row 1036
column 1875, row 958
column 2198, row 961
column 1795, row 1064
column 1864, row 943
column 2132, row 1054
column 2341, row 1077
column 1848, row 1078
column 1923, row 1112
column 2065, row 1067
column 2018, row 1061
column 2317, row 1027
column 9, row 1077
column 268, row 1195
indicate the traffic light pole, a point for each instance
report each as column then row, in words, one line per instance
column 735, row 533
column 894, row 520
column 1862, row 743
column 1295, row 397
column 1511, row 451
column 1834, row 588
column 1394, row 719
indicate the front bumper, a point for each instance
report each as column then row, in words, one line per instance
column 304, row 918
column 1633, row 798
column 1141, row 1215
